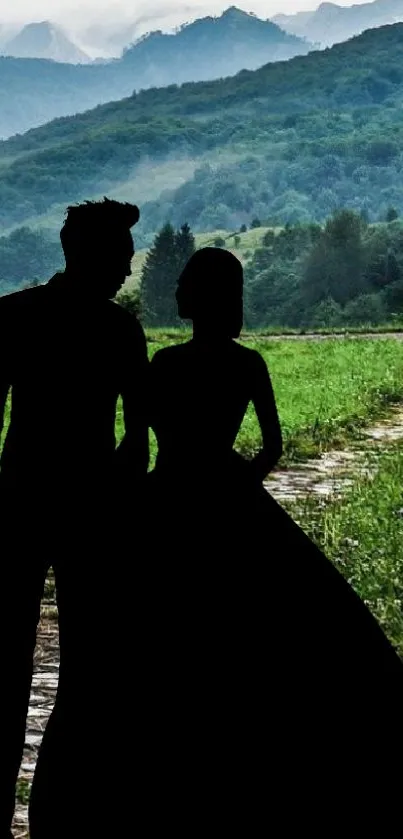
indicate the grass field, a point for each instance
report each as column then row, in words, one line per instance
column 324, row 390
column 363, row 535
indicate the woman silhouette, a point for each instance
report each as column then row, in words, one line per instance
column 256, row 641
column 200, row 390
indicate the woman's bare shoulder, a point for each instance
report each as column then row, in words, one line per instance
column 250, row 357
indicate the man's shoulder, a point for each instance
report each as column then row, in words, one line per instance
column 125, row 323
column 18, row 301
column 121, row 315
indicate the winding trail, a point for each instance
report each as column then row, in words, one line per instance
column 323, row 477
column 316, row 336
column 326, row 476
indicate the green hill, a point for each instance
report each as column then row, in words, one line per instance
column 289, row 142
column 243, row 247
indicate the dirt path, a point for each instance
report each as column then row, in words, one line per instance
column 337, row 469
column 43, row 694
column 324, row 477
column 316, row 336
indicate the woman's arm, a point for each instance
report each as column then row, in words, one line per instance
column 265, row 406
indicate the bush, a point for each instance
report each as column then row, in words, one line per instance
column 365, row 309
column 130, row 300
column 219, row 242
column 391, row 214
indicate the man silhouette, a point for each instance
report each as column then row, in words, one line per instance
column 67, row 352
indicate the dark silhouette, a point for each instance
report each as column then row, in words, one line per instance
column 67, row 352
column 201, row 389
column 267, row 679
column 232, row 646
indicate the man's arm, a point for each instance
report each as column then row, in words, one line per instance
column 132, row 455
column 4, row 378
column 4, row 388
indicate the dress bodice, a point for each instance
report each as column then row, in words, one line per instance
column 199, row 397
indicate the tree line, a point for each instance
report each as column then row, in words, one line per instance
column 346, row 272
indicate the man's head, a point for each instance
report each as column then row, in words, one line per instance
column 98, row 245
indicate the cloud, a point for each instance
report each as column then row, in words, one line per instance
column 106, row 11
column 119, row 12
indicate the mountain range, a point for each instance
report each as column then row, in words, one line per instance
column 330, row 24
column 290, row 141
column 72, row 40
column 33, row 92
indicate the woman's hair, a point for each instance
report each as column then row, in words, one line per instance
column 211, row 282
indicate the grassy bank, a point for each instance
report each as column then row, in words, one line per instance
column 363, row 535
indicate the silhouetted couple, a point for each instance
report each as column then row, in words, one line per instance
column 216, row 671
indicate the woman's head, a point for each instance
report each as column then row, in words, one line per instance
column 210, row 292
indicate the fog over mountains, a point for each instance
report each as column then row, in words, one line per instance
column 290, row 141
column 75, row 42
column 330, row 23
column 44, row 40
column 75, row 38
column 206, row 49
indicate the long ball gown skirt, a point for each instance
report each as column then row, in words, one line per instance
column 274, row 690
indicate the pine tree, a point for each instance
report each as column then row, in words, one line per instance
column 159, row 280
column 185, row 246
column 164, row 263
column 334, row 267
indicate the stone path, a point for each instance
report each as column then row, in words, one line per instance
column 317, row 336
column 337, row 469
column 43, row 695
column 323, row 477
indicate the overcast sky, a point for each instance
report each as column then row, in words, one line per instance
column 95, row 11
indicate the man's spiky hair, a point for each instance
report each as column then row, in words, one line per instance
column 85, row 220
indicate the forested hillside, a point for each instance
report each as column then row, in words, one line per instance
column 289, row 142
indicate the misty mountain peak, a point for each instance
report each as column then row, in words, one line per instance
column 233, row 12
column 44, row 39
column 257, row 41
column 330, row 23
column 206, row 49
